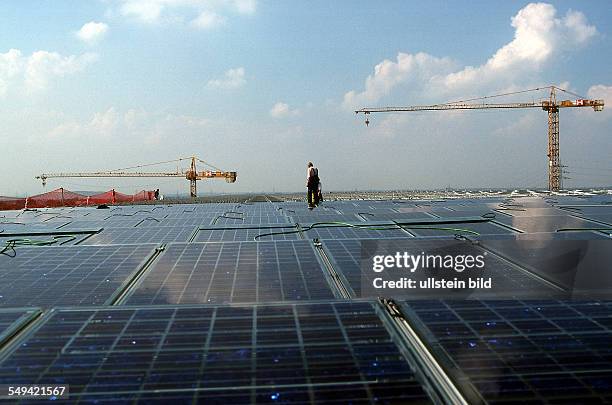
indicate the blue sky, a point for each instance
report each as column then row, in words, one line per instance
column 262, row 87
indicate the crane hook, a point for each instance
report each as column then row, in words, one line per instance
column 367, row 122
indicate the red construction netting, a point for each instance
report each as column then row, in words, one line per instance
column 65, row 198
column 11, row 203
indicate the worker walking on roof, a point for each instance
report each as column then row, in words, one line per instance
column 312, row 183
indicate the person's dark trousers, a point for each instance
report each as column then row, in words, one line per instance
column 312, row 193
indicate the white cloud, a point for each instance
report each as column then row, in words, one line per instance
column 43, row 66
column 245, row 6
column 388, row 74
column 92, row 32
column 601, row 92
column 11, row 65
column 202, row 13
column 233, row 78
column 539, row 36
column 281, row 110
column 208, row 20
column 34, row 72
column 133, row 122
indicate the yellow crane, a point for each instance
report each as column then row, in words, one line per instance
column 190, row 174
column 551, row 106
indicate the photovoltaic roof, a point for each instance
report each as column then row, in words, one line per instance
column 180, row 303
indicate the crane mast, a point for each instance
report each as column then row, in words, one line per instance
column 191, row 174
column 551, row 106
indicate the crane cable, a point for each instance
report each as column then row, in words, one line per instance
column 149, row 164
column 511, row 94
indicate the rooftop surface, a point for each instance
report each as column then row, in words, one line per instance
column 264, row 302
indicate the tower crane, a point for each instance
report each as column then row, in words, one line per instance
column 551, row 106
column 190, row 174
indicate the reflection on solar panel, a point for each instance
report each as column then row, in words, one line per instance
column 157, row 234
column 344, row 232
column 304, row 353
column 508, row 280
column 519, row 352
column 579, row 265
column 546, row 223
column 247, row 234
column 70, row 275
column 234, row 272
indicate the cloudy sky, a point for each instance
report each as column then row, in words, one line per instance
column 262, row 87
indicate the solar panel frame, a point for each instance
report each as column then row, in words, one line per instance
column 12, row 318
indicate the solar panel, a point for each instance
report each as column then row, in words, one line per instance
column 372, row 215
column 157, row 234
column 344, row 232
column 462, row 213
column 101, row 223
column 67, row 275
column 521, row 352
column 200, row 220
column 247, row 234
column 320, row 218
column 507, row 280
column 234, row 272
column 19, row 226
column 246, row 219
column 450, row 230
column 301, row 353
